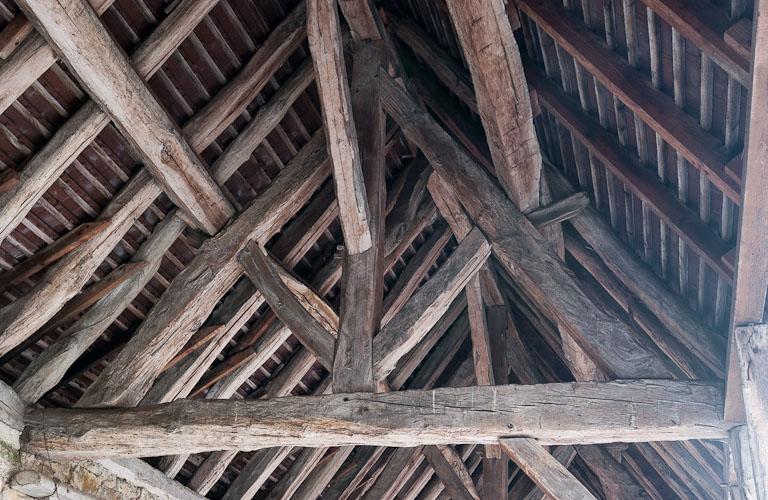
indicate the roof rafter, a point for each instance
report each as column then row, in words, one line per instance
column 86, row 45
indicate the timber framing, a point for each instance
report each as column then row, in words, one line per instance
column 365, row 249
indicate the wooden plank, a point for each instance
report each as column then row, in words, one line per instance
column 362, row 287
column 324, row 33
column 495, row 478
column 679, row 129
column 526, row 489
column 544, row 469
column 428, row 304
column 196, row 290
column 566, row 413
column 502, row 96
column 752, row 348
column 79, row 36
column 691, row 21
column 519, row 248
column 559, row 211
column 42, row 170
column 259, row 269
column 451, row 470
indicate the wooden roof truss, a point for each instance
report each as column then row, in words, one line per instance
column 466, row 248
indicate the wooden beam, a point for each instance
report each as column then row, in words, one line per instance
column 50, row 254
column 752, row 348
column 544, row 469
column 46, row 165
column 577, row 412
column 679, row 129
column 559, row 211
column 451, row 470
column 324, row 33
column 695, row 23
column 642, row 282
column 525, row 489
column 306, row 327
column 363, row 273
column 502, row 96
column 361, row 17
column 79, row 36
column 519, row 248
column 428, row 305
column 749, row 291
column 196, row 290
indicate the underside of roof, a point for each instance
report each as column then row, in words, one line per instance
column 118, row 292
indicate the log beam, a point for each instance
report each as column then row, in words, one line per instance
column 565, row 413
column 502, row 96
column 324, row 33
column 77, row 34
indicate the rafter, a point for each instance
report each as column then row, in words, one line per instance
column 519, row 248
column 544, row 469
column 500, row 89
column 80, row 38
column 324, row 33
column 659, row 111
column 196, row 290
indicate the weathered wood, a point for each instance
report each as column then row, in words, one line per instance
column 196, row 290
column 79, row 36
column 429, row 303
column 263, row 122
column 451, row 470
column 414, row 272
column 315, row 483
column 50, row 254
column 519, row 248
column 362, row 276
column 749, row 291
column 40, row 171
column 646, row 286
column 142, row 474
column 752, row 348
column 694, row 25
column 615, row 480
column 324, row 33
column 544, row 469
column 13, row 34
column 526, row 489
column 559, row 211
column 495, row 478
column 578, row 412
column 361, row 17
column 679, row 129
column 65, row 279
column 739, row 37
column 624, row 167
column 259, row 268
column 501, row 92
column 232, row 100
